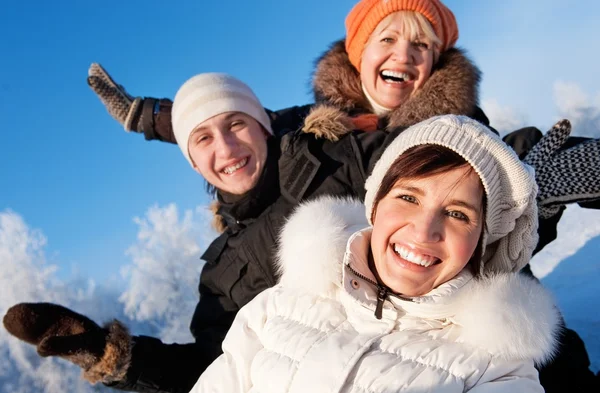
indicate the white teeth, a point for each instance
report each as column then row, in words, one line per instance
column 394, row 76
column 230, row 169
column 412, row 257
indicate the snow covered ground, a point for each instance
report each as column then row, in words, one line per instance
column 162, row 281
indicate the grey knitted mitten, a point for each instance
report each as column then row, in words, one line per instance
column 120, row 104
column 564, row 176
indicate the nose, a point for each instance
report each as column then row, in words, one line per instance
column 401, row 52
column 226, row 144
column 428, row 228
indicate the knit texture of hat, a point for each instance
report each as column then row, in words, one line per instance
column 366, row 15
column 207, row 95
column 510, row 232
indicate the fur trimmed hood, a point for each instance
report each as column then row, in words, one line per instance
column 453, row 88
column 510, row 315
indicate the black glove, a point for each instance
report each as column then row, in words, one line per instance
column 564, row 176
column 104, row 353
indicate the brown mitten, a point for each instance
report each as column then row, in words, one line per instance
column 104, row 353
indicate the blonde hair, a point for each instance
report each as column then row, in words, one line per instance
column 414, row 26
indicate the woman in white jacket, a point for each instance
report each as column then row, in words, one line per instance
column 421, row 296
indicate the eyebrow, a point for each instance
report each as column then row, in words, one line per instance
column 466, row 205
column 454, row 202
column 227, row 118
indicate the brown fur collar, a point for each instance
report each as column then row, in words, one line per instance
column 453, row 88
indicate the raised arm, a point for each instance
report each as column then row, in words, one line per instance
column 152, row 116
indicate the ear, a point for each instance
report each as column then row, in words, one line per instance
column 265, row 132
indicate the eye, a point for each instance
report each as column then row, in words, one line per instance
column 408, row 198
column 237, row 125
column 202, row 138
column 458, row 215
column 387, row 40
column 421, row 45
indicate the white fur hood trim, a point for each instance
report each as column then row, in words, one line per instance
column 510, row 315
column 313, row 241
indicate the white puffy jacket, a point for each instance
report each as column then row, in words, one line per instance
column 316, row 330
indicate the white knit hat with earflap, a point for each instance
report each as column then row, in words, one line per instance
column 511, row 221
column 207, row 95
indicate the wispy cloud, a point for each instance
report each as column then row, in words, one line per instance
column 503, row 118
column 571, row 102
column 579, row 107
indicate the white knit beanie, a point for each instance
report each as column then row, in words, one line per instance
column 510, row 234
column 206, row 95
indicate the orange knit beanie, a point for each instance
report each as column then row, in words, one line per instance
column 366, row 15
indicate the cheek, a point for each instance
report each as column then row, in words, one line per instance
column 463, row 248
column 425, row 68
column 368, row 64
column 385, row 224
column 202, row 161
column 258, row 145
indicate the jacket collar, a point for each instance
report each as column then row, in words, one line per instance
column 239, row 212
column 439, row 303
column 509, row 315
column 453, row 88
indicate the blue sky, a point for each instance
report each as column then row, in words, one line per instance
column 70, row 170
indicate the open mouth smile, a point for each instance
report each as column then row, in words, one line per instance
column 395, row 76
column 231, row 169
column 415, row 258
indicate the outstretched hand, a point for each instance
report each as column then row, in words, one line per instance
column 57, row 331
column 564, row 176
column 123, row 107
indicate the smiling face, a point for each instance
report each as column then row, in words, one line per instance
column 398, row 59
column 230, row 151
column 426, row 230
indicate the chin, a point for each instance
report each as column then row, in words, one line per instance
column 410, row 289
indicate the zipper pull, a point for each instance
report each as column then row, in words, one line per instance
column 382, row 294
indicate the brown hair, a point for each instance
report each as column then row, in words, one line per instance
column 427, row 160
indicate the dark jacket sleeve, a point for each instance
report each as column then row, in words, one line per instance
column 370, row 145
column 288, row 119
column 157, row 126
column 175, row 368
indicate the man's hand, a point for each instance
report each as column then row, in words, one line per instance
column 104, row 353
column 123, row 107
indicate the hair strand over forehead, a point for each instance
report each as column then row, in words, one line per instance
column 414, row 26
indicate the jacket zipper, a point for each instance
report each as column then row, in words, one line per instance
column 383, row 292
